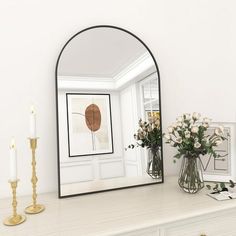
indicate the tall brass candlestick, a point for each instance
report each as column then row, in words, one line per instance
column 15, row 219
column 34, row 208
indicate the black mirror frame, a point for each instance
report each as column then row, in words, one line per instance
column 57, row 115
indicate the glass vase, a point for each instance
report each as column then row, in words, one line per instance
column 190, row 177
column 154, row 165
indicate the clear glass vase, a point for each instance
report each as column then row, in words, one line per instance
column 190, row 177
column 154, row 165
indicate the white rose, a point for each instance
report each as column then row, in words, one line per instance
column 150, row 119
column 197, row 145
column 196, row 116
column 176, row 139
column 179, row 124
column 206, row 125
column 174, row 125
column 140, row 122
column 206, row 120
column 157, row 123
column 179, row 140
column 180, row 119
column 170, row 129
column 141, row 136
column 187, row 116
column 140, row 131
column 167, row 137
column 191, row 122
column 187, row 134
column 176, row 134
column 194, row 129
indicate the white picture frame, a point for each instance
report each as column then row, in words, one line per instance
column 222, row 169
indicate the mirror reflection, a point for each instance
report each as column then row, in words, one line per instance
column 107, row 81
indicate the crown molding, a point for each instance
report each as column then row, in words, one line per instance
column 134, row 72
column 77, row 82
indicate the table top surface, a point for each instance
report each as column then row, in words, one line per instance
column 111, row 212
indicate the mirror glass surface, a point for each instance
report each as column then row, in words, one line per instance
column 106, row 80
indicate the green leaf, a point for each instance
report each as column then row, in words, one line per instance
column 208, row 187
column 222, row 185
column 232, row 184
column 216, row 187
column 178, row 155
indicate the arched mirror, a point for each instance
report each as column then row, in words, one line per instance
column 106, row 81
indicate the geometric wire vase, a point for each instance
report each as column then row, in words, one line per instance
column 154, row 165
column 190, row 176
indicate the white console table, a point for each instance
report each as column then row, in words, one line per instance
column 156, row 210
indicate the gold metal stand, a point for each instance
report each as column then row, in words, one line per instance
column 34, row 208
column 15, row 219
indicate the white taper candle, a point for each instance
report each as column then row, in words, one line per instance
column 13, row 161
column 32, row 122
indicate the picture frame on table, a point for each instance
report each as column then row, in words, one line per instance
column 223, row 168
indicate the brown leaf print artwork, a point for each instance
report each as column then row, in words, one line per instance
column 93, row 117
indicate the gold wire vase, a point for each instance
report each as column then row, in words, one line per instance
column 154, row 165
column 191, row 177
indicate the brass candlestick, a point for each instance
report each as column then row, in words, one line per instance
column 34, row 208
column 15, row 219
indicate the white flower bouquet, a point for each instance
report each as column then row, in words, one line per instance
column 190, row 138
column 189, row 135
column 149, row 136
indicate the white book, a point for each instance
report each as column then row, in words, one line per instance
column 225, row 195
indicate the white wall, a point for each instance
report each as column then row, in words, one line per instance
column 192, row 40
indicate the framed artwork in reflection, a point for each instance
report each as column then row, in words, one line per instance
column 89, row 124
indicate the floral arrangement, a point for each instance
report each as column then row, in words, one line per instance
column 149, row 134
column 189, row 136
